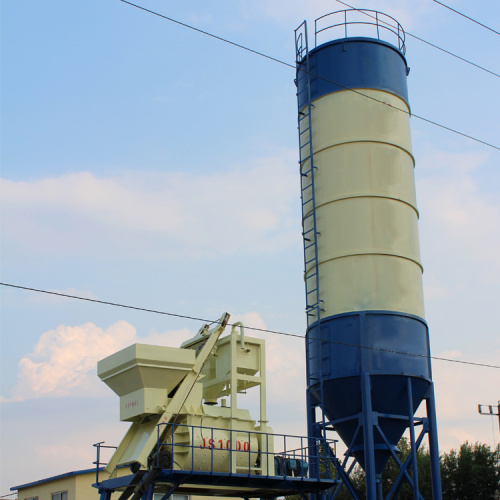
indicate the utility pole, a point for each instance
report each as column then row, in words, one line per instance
column 490, row 410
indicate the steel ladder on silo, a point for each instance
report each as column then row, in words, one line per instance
column 309, row 224
column 307, row 169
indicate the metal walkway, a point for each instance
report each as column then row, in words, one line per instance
column 209, row 472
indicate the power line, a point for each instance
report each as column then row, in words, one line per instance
column 449, row 129
column 208, row 34
column 467, row 17
column 264, row 330
column 423, row 41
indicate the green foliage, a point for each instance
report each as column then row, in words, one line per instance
column 470, row 473
column 391, row 471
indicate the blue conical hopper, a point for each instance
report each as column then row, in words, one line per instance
column 360, row 386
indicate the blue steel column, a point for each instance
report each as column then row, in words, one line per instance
column 433, row 445
column 369, row 450
column 412, row 439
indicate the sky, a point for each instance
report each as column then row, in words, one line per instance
column 147, row 164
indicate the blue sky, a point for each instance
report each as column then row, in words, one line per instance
column 147, row 164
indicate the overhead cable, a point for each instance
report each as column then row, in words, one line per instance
column 264, row 330
column 449, row 129
column 467, row 17
column 423, row 41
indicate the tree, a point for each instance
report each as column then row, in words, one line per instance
column 471, row 473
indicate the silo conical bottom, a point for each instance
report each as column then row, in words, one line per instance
column 389, row 411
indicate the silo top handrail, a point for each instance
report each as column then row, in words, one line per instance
column 382, row 22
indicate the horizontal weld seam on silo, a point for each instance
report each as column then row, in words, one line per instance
column 358, row 91
column 317, row 151
column 355, row 254
column 373, row 312
column 320, row 205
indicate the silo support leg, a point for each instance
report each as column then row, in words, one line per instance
column 412, row 439
column 433, row 445
column 369, row 449
column 380, row 495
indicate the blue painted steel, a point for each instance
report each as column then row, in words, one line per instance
column 292, row 457
column 346, row 347
column 353, row 63
column 433, row 444
column 384, row 335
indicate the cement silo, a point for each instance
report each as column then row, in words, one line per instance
column 368, row 364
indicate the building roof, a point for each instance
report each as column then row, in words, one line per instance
column 53, row 478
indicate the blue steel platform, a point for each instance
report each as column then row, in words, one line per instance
column 287, row 471
column 168, row 481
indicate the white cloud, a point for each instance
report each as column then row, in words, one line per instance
column 247, row 209
column 63, row 361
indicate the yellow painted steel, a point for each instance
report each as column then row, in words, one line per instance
column 143, row 375
column 165, row 387
column 366, row 213
column 206, row 443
